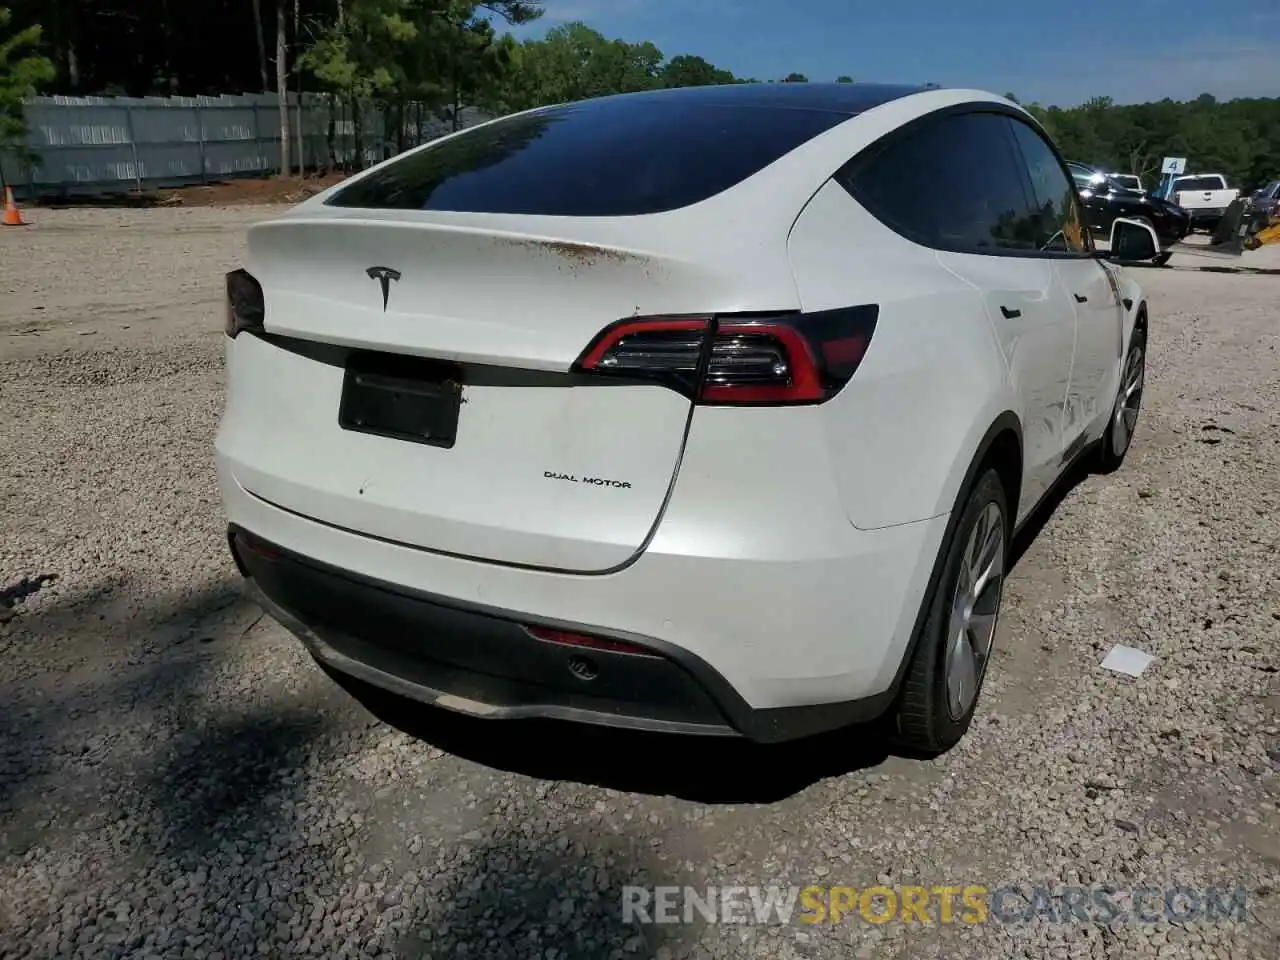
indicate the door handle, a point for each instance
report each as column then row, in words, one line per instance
column 1010, row 314
column 1080, row 298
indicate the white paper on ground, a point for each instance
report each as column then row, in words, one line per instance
column 1127, row 660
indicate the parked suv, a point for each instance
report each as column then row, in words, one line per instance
column 1267, row 203
column 1105, row 199
column 1129, row 181
column 685, row 410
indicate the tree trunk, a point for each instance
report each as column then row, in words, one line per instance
column 262, row 44
column 345, row 165
column 453, row 60
column 357, row 133
column 62, row 37
column 332, row 134
column 166, row 28
column 297, row 42
column 282, row 87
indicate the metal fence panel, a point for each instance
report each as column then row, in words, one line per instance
column 115, row 144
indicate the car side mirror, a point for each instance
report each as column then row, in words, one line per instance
column 1133, row 241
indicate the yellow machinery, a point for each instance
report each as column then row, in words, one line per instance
column 1264, row 236
column 1243, row 229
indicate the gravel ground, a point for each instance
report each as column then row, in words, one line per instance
column 178, row 779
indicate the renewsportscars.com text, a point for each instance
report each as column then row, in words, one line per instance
column 942, row 904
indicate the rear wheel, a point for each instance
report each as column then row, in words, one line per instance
column 940, row 692
column 1124, row 414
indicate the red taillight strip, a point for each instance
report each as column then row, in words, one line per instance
column 805, row 385
column 610, row 336
column 823, row 350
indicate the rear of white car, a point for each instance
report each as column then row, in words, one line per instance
column 601, row 413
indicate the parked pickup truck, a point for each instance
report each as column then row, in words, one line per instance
column 1205, row 196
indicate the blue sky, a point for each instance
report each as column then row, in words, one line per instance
column 1061, row 53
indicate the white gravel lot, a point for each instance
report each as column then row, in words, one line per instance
column 177, row 779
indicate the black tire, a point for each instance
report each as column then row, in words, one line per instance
column 926, row 722
column 1117, row 438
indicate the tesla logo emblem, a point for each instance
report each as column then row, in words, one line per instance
column 384, row 276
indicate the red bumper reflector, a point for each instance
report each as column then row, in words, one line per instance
column 569, row 639
column 257, row 547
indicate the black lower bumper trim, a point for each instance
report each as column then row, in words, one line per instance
column 485, row 663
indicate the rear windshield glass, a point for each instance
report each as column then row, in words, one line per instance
column 604, row 158
column 1198, row 183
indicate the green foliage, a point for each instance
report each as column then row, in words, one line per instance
column 844, row 79
column 1239, row 138
column 690, row 71
column 795, row 78
column 573, row 62
column 22, row 72
column 436, row 51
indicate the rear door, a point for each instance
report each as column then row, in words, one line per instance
column 977, row 215
column 996, row 248
column 1094, row 295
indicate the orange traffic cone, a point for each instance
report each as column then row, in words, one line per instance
column 12, row 215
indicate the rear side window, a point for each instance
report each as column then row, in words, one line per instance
column 599, row 158
column 954, row 183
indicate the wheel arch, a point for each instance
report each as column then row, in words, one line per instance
column 1000, row 449
column 1140, row 317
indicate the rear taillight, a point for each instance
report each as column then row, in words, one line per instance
column 245, row 305
column 736, row 359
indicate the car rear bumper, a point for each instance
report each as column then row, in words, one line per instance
column 815, row 645
column 489, row 664
column 479, row 662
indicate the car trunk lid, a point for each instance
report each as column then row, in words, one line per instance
column 546, row 468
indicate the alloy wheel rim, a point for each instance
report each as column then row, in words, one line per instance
column 974, row 610
column 1129, row 401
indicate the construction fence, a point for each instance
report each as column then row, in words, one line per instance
column 121, row 144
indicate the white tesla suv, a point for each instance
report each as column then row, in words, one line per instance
column 708, row 410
